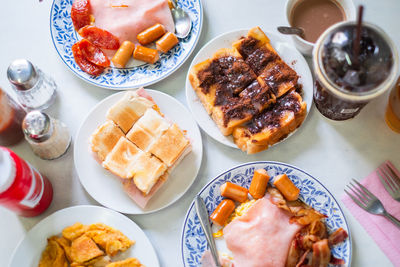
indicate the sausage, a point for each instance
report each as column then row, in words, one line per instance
column 222, row 212
column 287, row 187
column 167, row 42
column 151, row 34
column 259, row 183
column 80, row 13
column 146, row 54
column 123, row 54
column 234, row 192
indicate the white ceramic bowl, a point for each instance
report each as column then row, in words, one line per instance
column 306, row 47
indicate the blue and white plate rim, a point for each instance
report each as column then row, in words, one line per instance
column 130, row 86
column 266, row 163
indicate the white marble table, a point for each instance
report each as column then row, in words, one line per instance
column 333, row 152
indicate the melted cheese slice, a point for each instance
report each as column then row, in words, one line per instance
column 261, row 237
column 126, row 18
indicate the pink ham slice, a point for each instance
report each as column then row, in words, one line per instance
column 261, row 237
column 126, row 18
column 136, row 195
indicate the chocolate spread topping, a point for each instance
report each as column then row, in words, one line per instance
column 271, row 117
column 230, row 74
column 278, row 74
column 257, row 57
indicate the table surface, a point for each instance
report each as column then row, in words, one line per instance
column 335, row 152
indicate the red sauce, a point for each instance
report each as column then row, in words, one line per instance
column 10, row 121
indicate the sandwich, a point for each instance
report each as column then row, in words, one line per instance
column 147, row 154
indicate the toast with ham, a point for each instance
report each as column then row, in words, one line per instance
column 271, row 125
column 147, row 154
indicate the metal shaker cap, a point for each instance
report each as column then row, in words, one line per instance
column 37, row 126
column 22, row 74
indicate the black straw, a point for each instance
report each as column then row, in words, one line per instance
column 356, row 46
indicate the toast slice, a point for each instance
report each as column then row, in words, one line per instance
column 170, row 146
column 271, row 125
column 148, row 129
column 103, row 140
column 146, row 170
column 263, row 59
column 128, row 110
column 119, row 160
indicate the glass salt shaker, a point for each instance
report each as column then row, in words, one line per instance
column 48, row 137
column 35, row 90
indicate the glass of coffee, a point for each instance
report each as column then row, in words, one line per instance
column 346, row 81
column 314, row 17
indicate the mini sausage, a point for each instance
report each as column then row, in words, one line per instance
column 234, row 192
column 146, row 54
column 123, row 54
column 167, row 42
column 222, row 212
column 286, row 187
column 151, row 34
column 259, row 183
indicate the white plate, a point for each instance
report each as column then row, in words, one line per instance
column 288, row 53
column 29, row 250
column 135, row 74
column 312, row 192
column 106, row 188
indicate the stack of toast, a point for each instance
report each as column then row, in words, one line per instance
column 138, row 144
column 250, row 92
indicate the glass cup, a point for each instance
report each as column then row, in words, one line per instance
column 392, row 115
column 346, row 83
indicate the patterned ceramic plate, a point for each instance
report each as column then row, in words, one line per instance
column 64, row 36
column 312, row 192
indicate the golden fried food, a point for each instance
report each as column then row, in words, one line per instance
column 130, row 262
column 108, row 238
column 84, row 249
column 53, row 255
column 87, row 246
column 74, row 231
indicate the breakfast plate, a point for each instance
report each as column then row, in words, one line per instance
column 135, row 75
column 312, row 192
column 29, row 250
column 106, row 187
column 288, row 53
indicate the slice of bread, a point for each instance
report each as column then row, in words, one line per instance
column 271, row 125
column 104, row 138
column 128, row 110
column 119, row 160
column 170, row 146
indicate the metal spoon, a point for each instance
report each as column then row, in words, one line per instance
column 183, row 23
column 291, row 30
column 202, row 213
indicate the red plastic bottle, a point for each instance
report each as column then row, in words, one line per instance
column 22, row 188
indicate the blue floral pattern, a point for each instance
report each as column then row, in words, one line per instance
column 312, row 192
column 64, row 36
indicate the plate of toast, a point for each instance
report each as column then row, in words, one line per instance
column 249, row 90
column 85, row 236
column 138, row 151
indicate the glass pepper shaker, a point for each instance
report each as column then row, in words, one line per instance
column 35, row 90
column 48, row 137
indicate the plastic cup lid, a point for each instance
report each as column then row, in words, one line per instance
column 7, row 170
